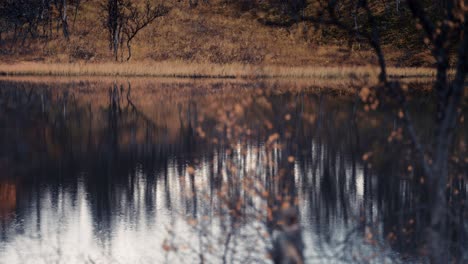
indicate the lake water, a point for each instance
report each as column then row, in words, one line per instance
column 178, row 171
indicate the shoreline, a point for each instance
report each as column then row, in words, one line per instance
column 205, row 71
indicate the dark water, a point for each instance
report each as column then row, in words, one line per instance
column 187, row 172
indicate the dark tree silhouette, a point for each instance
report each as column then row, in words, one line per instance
column 441, row 34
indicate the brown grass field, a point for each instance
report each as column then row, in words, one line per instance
column 214, row 34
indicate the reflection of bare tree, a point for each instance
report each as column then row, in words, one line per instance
column 271, row 153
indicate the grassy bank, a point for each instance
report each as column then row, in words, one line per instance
column 204, row 70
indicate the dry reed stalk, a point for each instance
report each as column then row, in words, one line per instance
column 196, row 70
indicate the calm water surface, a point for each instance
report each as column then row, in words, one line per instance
column 150, row 171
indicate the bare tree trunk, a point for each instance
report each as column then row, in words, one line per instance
column 77, row 7
column 113, row 26
column 129, row 48
column 444, row 141
column 116, row 45
column 64, row 17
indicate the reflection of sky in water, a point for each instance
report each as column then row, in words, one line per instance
column 68, row 233
column 64, row 230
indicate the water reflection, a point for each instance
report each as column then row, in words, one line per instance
column 122, row 172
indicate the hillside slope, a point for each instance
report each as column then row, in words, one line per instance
column 215, row 33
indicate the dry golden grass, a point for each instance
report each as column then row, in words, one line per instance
column 205, row 70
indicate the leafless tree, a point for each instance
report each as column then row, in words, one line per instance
column 125, row 19
column 34, row 18
column 138, row 19
column 63, row 6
